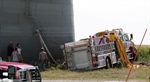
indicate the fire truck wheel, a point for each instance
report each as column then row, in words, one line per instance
column 108, row 65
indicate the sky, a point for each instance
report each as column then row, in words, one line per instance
column 92, row 16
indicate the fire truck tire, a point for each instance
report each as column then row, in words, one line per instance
column 108, row 64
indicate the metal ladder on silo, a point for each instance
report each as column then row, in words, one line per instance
column 37, row 27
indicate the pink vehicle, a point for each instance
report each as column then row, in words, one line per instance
column 19, row 71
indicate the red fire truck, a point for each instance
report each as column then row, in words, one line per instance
column 100, row 50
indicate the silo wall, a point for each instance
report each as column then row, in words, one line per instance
column 19, row 20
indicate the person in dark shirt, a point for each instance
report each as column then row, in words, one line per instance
column 42, row 59
column 10, row 49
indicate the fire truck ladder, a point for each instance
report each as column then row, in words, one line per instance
column 122, row 53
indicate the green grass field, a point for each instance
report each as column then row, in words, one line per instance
column 99, row 74
column 144, row 53
column 54, row 73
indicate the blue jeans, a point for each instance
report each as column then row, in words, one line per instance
column 42, row 65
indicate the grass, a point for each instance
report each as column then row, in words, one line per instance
column 144, row 53
column 55, row 73
column 100, row 74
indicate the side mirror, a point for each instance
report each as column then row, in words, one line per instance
column 131, row 36
column 11, row 72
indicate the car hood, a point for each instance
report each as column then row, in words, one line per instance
column 4, row 65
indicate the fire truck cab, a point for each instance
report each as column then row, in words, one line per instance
column 126, row 40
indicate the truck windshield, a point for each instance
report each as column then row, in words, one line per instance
column 125, row 37
column 119, row 34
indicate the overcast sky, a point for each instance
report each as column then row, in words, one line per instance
column 133, row 16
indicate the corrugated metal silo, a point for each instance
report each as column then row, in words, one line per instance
column 19, row 20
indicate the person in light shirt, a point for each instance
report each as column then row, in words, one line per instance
column 19, row 49
column 15, row 55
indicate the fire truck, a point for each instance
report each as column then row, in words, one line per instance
column 103, row 49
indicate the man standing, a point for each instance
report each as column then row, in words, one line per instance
column 10, row 49
column 42, row 59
